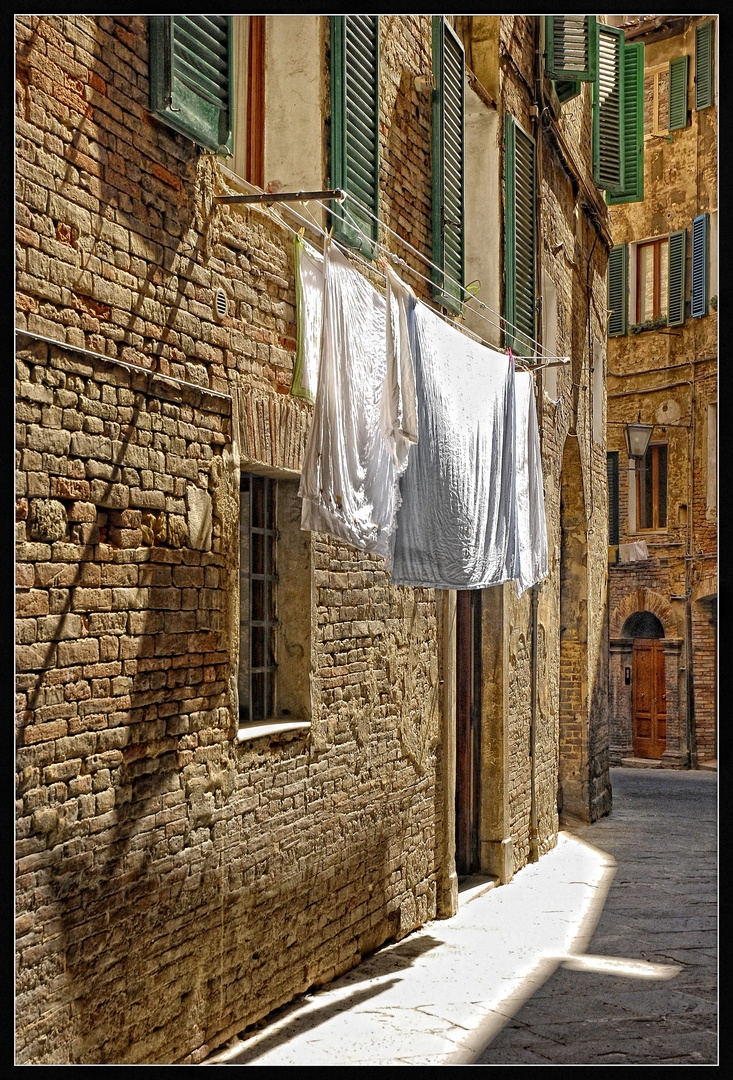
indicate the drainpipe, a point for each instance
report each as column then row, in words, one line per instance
column 534, row 839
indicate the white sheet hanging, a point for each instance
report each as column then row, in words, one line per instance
column 530, row 496
column 456, row 527
column 348, row 483
column 309, row 299
column 399, row 400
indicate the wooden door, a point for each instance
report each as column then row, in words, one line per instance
column 649, row 697
column 468, row 671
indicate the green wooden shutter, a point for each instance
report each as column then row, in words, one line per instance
column 678, row 70
column 700, row 242
column 608, row 98
column 191, row 77
column 704, row 65
column 612, row 470
column 520, row 237
column 448, row 152
column 633, row 126
column 676, row 279
column 355, row 127
column 571, row 47
column 618, row 289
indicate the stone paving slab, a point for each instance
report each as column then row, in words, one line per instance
column 603, row 952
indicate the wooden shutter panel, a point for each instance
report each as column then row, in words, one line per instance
column 520, row 237
column 699, row 295
column 678, row 70
column 608, row 98
column 617, row 289
column 571, row 47
column 676, row 279
column 190, row 77
column 355, row 126
column 633, row 126
column 448, row 152
column 704, row 65
column 612, row 469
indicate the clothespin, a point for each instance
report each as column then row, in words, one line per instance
column 301, row 232
column 510, row 354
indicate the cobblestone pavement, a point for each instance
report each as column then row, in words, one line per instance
column 661, row 910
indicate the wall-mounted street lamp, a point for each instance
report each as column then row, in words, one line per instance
column 637, row 439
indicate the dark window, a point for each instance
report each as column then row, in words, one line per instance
column 258, row 588
column 612, row 466
column 651, row 489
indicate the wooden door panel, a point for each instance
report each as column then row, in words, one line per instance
column 649, row 698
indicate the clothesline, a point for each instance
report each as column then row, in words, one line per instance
column 523, row 363
column 560, row 360
column 446, row 276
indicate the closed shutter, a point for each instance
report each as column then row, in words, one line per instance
column 678, row 70
column 676, row 279
column 190, row 77
column 704, row 65
column 520, row 237
column 571, row 47
column 608, row 97
column 612, row 469
column 632, row 126
column 448, row 165
column 355, row 126
column 699, row 295
column 617, row 289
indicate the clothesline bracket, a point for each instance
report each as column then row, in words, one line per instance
column 330, row 194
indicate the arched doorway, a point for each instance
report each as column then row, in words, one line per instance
column 648, row 684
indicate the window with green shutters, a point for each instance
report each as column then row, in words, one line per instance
column 704, row 65
column 191, row 77
column 571, row 47
column 355, row 127
column 632, row 126
column 678, row 71
column 608, row 99
column 676, row 279
column 448, row 152
column 618, row 262
column 520, row 237
column 700, row 244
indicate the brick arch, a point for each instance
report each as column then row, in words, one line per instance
column 706, row 587
column 644, row 600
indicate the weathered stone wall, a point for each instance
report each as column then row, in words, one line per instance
column 175, row 883
column 668, row 378
column 573, row 244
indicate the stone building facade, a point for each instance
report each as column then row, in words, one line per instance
column 185, row 866
column 662, row 372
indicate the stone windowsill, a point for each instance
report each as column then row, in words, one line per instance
column 271, row 727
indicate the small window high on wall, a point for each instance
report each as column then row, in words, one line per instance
column 651, row 489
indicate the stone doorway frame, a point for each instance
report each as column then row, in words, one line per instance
column 676, row 754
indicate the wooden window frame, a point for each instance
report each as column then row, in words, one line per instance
column 657, row 244
column 654, row 74
column 654, row 450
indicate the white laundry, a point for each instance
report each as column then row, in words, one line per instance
column 635, row 551
column 348, row 482
column 456, row 527
column 530, row 496
column 399, row 400
column 309, row 299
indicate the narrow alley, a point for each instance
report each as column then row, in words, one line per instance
column 617, row 963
